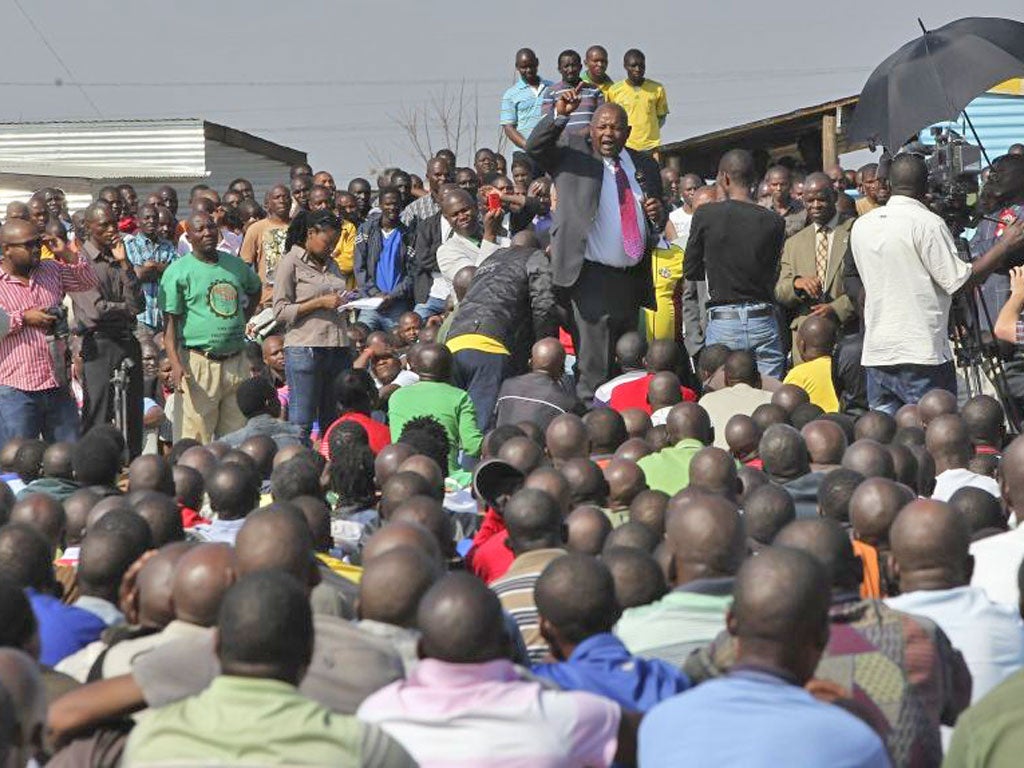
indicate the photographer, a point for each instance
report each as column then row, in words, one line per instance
column 1001, row 201
column 33, row 401
column 907, row 260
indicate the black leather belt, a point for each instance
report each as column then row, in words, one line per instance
column 729, row 312
column 214, row 356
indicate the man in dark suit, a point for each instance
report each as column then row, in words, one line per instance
column 811, row 273
column 608, row 219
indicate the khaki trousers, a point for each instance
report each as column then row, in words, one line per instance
column 208, row 406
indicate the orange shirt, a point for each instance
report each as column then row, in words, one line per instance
column 871, row 586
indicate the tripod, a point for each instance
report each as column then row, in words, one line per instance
column 119, row 381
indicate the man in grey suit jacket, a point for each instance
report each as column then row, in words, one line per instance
column 604, row 276
column 802, row 288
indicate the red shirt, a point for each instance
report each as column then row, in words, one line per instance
column 490, row 557
column 25, row 361
column 379, row 434
column 190, row 518
column 633, row 394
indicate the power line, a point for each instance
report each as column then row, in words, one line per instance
column 56, row 56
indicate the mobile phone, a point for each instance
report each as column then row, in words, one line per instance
column 493, row 201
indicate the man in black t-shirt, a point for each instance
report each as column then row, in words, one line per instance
column 735, row 245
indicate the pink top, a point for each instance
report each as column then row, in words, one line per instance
column 25, row 361
column 457, row 715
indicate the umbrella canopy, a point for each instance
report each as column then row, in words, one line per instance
column 934, row 77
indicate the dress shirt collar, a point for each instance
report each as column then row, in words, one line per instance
column 94, row 253
column 306, row 258
column 829, row 225
column 434, row 673
column 763, row 674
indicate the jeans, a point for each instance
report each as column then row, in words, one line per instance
column 432, row 306
column 890, row 387
column 50, row 413
column 377, row 320
column 480, row 374
column 758, row 334
column 310, row 372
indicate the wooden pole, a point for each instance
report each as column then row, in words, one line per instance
column 829, row 144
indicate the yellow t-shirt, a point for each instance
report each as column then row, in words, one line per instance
column 815, row 378
column 645, row 105
column 351, row 572
column 604, row 87
column 345, row 250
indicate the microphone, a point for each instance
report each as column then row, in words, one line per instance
column 641, row 178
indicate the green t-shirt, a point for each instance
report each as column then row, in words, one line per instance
column 208, row 299
column 668, row 470
column 449, row 405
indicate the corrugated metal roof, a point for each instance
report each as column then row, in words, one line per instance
column 153, row 148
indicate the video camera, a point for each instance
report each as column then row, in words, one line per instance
column 950, row 183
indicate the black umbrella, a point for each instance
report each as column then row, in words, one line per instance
column 934, row 77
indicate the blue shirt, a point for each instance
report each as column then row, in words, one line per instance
column 753, row 718
column 521, row 106
column 602, row 665
column 139, row 250
column 63, row 629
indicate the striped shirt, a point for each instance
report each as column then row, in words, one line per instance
column 25, row 361
column 515, row 591
column 139, row 250
column 579, row 120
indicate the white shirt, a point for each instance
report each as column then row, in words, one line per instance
column 458, row 252
column 681, row 220
column 660, row 417
column 952, row 480
column 907, row 260
column 604, row 243
column 441, row 287
column 990, row 636
column 996, row 560
column 723, row 404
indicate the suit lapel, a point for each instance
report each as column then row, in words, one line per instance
column 840, row 241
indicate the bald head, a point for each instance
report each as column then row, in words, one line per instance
column 706, row 537
column 44, row 513
column 400, row 487
column 870, row 458
column 816, row 336
column 784, row 454
column 105, row 557
column 534, row 521
column 766, row 511
column 637, row 422
column 648, row 508
column 586, row 482
column 522, row 453
column 737, row 168
column 689, row 421
column 548, row 356
column 567, row 438
column 394, row 583
column 588, row 527
column 935, row 402
column 575, row 597
column 875, row 425
column 161, row 514
column 789, row 397
column 428, row 512
column 662, row 355
column 930, row 543
column 461, row 622
column 827, row 542
column 401, row 534
column 607, row 430
column 155, row 581
column 625, row 480
column 57, row 461
column 637, row 576
column 873, row 507
column 276, row 537
column 22, row 683
column 663, row 391
column 713, row 471
column 742, row 435
column 779, row 612
column 1011, row 481
column 825, row 441
column 948, row 442
column 553, row 483
column 389, row 459
column 151, row 473
column 908, row 176
column 433, row 362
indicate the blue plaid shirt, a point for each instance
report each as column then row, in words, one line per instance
column 141, row 249
column 521, row 106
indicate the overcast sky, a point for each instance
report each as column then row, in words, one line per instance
column 335, row 78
